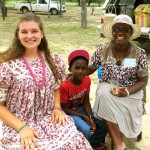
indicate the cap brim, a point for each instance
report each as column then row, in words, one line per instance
column 78, row 53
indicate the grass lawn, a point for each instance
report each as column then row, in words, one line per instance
column 64, row 35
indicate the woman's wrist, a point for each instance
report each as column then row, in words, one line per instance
column 127, row 91
column 57, row 107
column 23, row 126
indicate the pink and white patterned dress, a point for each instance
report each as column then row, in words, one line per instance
column 34, row 107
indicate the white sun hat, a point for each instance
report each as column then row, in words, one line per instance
column 107, row 26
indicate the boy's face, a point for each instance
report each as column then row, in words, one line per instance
column 79, row 69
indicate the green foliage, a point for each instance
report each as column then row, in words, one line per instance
column 93, row 1
column 67, row 2
column 12, row 2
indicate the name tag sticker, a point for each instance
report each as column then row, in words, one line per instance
column 129, row 62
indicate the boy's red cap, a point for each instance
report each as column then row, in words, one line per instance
column 77, row 53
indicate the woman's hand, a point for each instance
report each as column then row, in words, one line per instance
column 120, row 92
column 59, row 117
column 28, row 138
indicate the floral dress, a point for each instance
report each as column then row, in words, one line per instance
column 34, row 107
column 124, row 111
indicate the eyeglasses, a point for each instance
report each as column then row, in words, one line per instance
column 117, row 30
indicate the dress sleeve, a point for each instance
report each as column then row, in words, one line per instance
column 142, row 65
column 95, row 61
column 64, row 93
column 5, row 81
column 61, row 68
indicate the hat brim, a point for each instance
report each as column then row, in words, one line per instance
column 107, row 30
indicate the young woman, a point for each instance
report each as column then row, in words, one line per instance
column 29, row 94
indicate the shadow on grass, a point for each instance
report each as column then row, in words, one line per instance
column 132, row 144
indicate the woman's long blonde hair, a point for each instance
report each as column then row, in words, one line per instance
column 16, row 50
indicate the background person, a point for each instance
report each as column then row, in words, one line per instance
column 124, row 75
column 74, row 95
column 29, row 94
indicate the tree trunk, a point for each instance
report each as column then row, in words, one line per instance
column 3, row 9
column 89, row 2
column 92, row 10
column 60, row 4
column 83, row 14
column 30, row 1
column 79, row 3
column 49, row 3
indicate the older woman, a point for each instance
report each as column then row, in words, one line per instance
column 124, row 75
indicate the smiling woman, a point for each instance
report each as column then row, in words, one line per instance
column 30, row 35
column 124, row 75
column 30, row 76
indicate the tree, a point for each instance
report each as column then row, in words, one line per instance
column 49, row 9
column 83, row 14
column 3, row 9
column 60, row 4
column 87, row 1
column 30, row 1
column 79, row 3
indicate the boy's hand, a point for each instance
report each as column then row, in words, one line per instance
column 93, row 125
column 87, row 119
column 90, row 122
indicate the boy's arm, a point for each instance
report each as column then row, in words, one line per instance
column 68, row 111
column 88, row 110
column 87, row 106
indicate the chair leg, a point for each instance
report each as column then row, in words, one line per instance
column 112, row 144
column 139, row 137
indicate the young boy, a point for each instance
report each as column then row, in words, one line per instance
column 74, row 95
